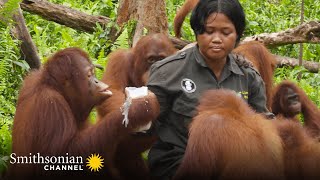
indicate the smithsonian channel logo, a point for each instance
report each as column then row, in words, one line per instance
column 60, row 163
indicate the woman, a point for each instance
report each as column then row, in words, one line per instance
column 178, row 81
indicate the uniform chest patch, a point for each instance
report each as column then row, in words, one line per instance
column 188, row 85
column 243, row 94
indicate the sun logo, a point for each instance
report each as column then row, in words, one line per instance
column 95, row 162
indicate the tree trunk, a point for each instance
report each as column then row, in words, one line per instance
column 28, row 48
column 149, row 14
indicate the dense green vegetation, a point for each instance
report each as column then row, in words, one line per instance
column 262, row 15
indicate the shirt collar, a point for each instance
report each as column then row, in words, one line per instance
column 198, row 56
column 231, row 64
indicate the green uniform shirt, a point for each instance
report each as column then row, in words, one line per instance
column 178, row 82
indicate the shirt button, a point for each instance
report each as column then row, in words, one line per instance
column 183, row 54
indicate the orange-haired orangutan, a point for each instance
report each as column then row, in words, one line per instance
column 131, row 68
column 263, row 61
column 289, row 100
column 51, row 117
column 301, row 152
column 230, row 141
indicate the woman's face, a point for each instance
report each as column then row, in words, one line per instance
column 219, row 38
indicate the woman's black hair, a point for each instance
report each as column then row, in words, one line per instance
column 231, row 8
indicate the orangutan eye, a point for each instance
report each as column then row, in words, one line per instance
column 90, row 73
column 151, row 60
column 154, row 59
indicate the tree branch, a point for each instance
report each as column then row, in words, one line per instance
column 28, row 48
column 69, row 17
column 287, row 61
column 20, row 32
column 64, row 15
column 308, row 32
